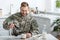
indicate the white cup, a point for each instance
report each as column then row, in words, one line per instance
column 23, row 36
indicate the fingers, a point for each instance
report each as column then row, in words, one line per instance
column 11, row 25
column 28, row 35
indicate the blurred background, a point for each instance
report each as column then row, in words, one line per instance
column 43, row 5
column 47, row 11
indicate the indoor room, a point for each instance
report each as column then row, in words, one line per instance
column 24, row 15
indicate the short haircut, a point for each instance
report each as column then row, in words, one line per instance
column 24, row 4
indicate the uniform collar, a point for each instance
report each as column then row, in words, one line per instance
column 24, row 16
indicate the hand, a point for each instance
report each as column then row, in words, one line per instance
column 11, row 25
column 28, row 35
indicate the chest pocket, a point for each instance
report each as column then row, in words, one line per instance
column 25, row 25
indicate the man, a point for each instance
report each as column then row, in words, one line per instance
column 22, row 22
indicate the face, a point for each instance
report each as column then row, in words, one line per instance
column 24, row 10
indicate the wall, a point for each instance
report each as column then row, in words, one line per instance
column 15, row 5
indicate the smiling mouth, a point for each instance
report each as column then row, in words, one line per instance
column 24, row 14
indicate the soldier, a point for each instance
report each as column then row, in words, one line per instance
column 22, row 22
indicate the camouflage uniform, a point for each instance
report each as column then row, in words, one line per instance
column 22, row 24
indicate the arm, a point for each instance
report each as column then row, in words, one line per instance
column 34, row 28
column 7, row 22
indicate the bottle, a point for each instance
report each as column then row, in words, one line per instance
column 36, row 10
column 44, row 33
column 10, row 32
column 0, row 12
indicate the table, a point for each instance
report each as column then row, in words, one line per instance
column 36, row 37
column 49, row 37
column 46, row 37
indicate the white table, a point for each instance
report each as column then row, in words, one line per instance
column 47, row 36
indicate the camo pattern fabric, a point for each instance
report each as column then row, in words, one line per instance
column 23, row 24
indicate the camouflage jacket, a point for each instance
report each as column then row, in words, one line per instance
column 22, row 24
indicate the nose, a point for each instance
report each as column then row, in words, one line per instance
column 24, row 12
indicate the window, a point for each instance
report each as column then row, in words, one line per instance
column 57, row 3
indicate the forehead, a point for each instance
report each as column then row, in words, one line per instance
column 24, row 7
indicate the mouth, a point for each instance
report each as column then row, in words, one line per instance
column 24, row 14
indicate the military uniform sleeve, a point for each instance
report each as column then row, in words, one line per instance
column 34, row 27
column 7, row 22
